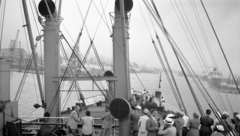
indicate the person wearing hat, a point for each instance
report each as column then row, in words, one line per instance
column 194, row 125
column 234, row 118
column 135, row 118
column 142, row 131
column 219, row 131
column 176, row 123
column 228, row 126
column 152, row 123
column 107, row 122
column 170, row 129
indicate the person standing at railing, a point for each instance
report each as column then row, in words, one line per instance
column 135, row 115
column 74, row 120
column 107, row 122
column 87, row 128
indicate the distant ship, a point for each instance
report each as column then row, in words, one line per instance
column 215, row 78
column 204, row 76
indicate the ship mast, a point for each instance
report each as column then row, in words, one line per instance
column 51, row 58
column 121, row 58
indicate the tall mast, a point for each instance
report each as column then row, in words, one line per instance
column 121, row 52
column 51, row 58
column 121, row 58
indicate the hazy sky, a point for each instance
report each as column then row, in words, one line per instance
column 225, row 16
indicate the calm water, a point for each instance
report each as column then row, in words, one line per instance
column 30, row 94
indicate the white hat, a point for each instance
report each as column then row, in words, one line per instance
column 238, row 116
column 225, row 112
column 170, row 115
column 169, row 121
column 220, row 127
column 138, row 107
column 145, row 111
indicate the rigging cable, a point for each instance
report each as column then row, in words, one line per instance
column 220, row 46
column 73, row 76
column 196, row 43
column 166, row 60
column 203, row 32
column 105, row 15
column 190, row 87
column 4, row 7
column 54, row 99
column 83, row 66
column 205, row 39
column 122, row 51
column 194, row 35
column 92, row 43
column 21, row 85
column 91, row 39
column 163, row 65
column 167, row 35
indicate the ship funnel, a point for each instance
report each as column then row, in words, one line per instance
column 128, row 4
column 43, row 8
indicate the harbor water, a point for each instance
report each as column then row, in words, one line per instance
column 30, row 94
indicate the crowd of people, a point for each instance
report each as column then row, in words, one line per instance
column 149, row 118
column 88, row 121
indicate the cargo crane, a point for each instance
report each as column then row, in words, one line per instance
column 20, row 58
column 12, row 47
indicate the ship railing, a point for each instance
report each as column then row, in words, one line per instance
column 32, row 127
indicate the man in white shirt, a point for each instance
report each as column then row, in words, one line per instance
column 185, row 125
column 87, row 128
column 142, row 131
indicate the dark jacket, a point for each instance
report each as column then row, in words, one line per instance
column 151, row 127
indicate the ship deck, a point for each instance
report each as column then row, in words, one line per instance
column 96, row 112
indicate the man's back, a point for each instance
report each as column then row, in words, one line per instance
column 135, row 117
column 206, row 123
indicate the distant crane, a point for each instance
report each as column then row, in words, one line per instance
column 13, row 45
column 20, row 57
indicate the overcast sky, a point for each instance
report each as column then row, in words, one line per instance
column 224, row 14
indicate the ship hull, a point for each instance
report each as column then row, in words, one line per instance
column 215, row 82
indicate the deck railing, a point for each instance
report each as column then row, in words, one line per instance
column 33, row 126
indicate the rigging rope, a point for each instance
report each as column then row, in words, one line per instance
column 203, row 32
column 21, row 85
column 205, row 38
column 5, row 1
column 180, row 103
column 166, row 60
column 167, row 36
column 83, row 66
column 194, row 35
column 57, row 93
column 73, row 76
column 220, row 46
column 194, row 43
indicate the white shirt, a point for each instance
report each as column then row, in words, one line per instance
column 186, row 120
column 142, row 123
column 87, row 127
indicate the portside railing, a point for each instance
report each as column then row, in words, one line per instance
column 32, row 127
